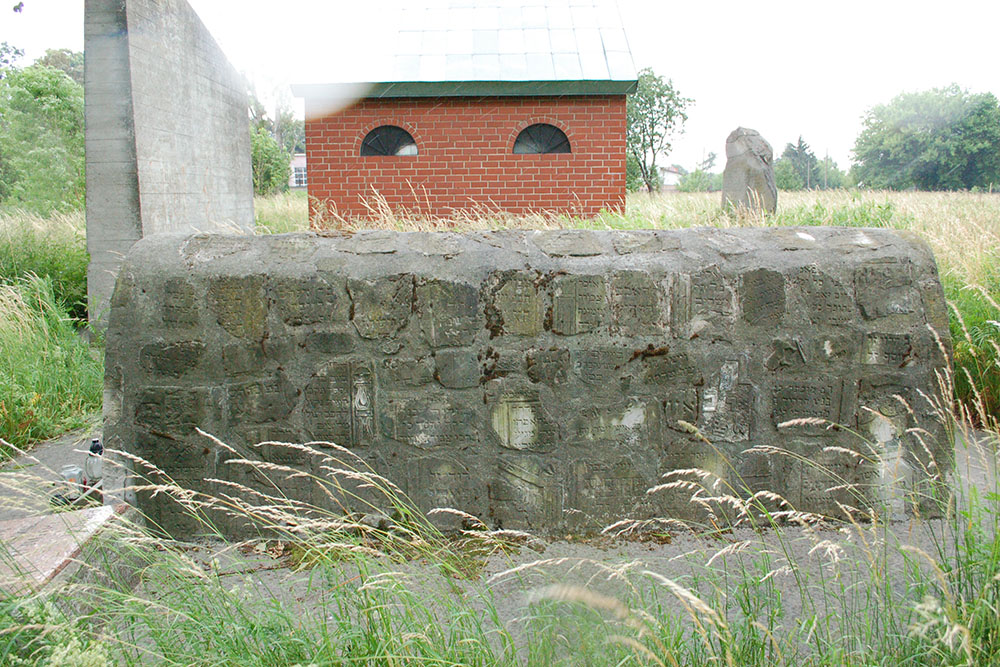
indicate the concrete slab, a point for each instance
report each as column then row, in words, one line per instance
column 34, row 550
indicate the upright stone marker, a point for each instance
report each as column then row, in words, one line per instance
column 539, row 380
column 168, row 147
column 748, row 180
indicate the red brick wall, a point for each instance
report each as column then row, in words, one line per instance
column 465, row 155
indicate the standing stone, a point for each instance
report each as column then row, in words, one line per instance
column 748, row 181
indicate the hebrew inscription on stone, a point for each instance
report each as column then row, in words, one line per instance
column 541, row 387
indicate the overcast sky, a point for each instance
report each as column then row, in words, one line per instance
column 784, row 68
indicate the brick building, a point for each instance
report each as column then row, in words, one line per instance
column 519, row 107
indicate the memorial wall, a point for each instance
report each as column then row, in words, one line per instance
column 538, row 380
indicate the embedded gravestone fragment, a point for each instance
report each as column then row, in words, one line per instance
column 539, row 381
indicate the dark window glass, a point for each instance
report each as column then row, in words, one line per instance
column 388, row 140
column 542, row 138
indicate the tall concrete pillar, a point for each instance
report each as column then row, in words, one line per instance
column 168, row 145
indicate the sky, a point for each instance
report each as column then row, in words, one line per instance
column 782, row 67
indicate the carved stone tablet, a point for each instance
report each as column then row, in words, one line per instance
column 178, row 307
column 519, row 305
column 886, row 349
column 239, row 305
column 599, row 366
column 380, row 307
column 636, row 304
column 340, row 403
column 308, row 301
column 886, row 288
column 763, row 297
column 827, row 299
column 711, row 295
column 449, row 312
column 429, row 422
column 579, row 304
column 807, row 399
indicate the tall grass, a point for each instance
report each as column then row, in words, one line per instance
column 54, row 248
column 52, row 379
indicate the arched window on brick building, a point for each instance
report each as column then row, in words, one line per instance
column 542, row 138
column 388, row 140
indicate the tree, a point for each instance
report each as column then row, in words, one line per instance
column 633, row 174
column 655, row 112
column 830, row 176
column 708, row 162
column 70, row 62
column 289, row 131
column 940, row 139
column 801, row 157
column 41, row 140
column 8, row 57
column 700, row 180
column 270, row 164
column 786, row 176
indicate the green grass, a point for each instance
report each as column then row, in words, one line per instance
column 53, row 248
column 52, row 379
column 763, row 591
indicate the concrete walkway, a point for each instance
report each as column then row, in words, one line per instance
column 40, row 540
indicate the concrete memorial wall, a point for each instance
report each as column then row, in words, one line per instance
column 539, row 380
column 167, row 139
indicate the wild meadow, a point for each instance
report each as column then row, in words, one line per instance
column 754, row 582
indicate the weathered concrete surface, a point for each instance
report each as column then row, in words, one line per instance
column 748, row 179
column 167, row 139
column 535, row 379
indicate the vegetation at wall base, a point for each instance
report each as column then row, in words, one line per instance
column 52, row 379
column 52, row 247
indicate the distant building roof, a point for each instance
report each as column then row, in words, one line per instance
column 498, row 47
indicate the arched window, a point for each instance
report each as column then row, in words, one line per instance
column 388, row 140
column 542, row 138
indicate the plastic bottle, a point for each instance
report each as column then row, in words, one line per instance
column 94, row 470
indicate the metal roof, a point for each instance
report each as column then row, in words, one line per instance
column 497, row 47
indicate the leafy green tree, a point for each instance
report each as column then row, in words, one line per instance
column 70, row 62
column 940, row 139
column 801, row 157
column 270, row 164
column 786, row 176
column 290, row 131
column 633, row 174
column 41, row 140
column 9, row 56
column 655, row 112
column 830, row 177
column 700, row 180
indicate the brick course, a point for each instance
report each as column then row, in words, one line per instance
column 465, row 157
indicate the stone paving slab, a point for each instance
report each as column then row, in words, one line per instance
column 34, row 550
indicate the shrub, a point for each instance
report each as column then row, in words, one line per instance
column 41, row 140
column 270, row 163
